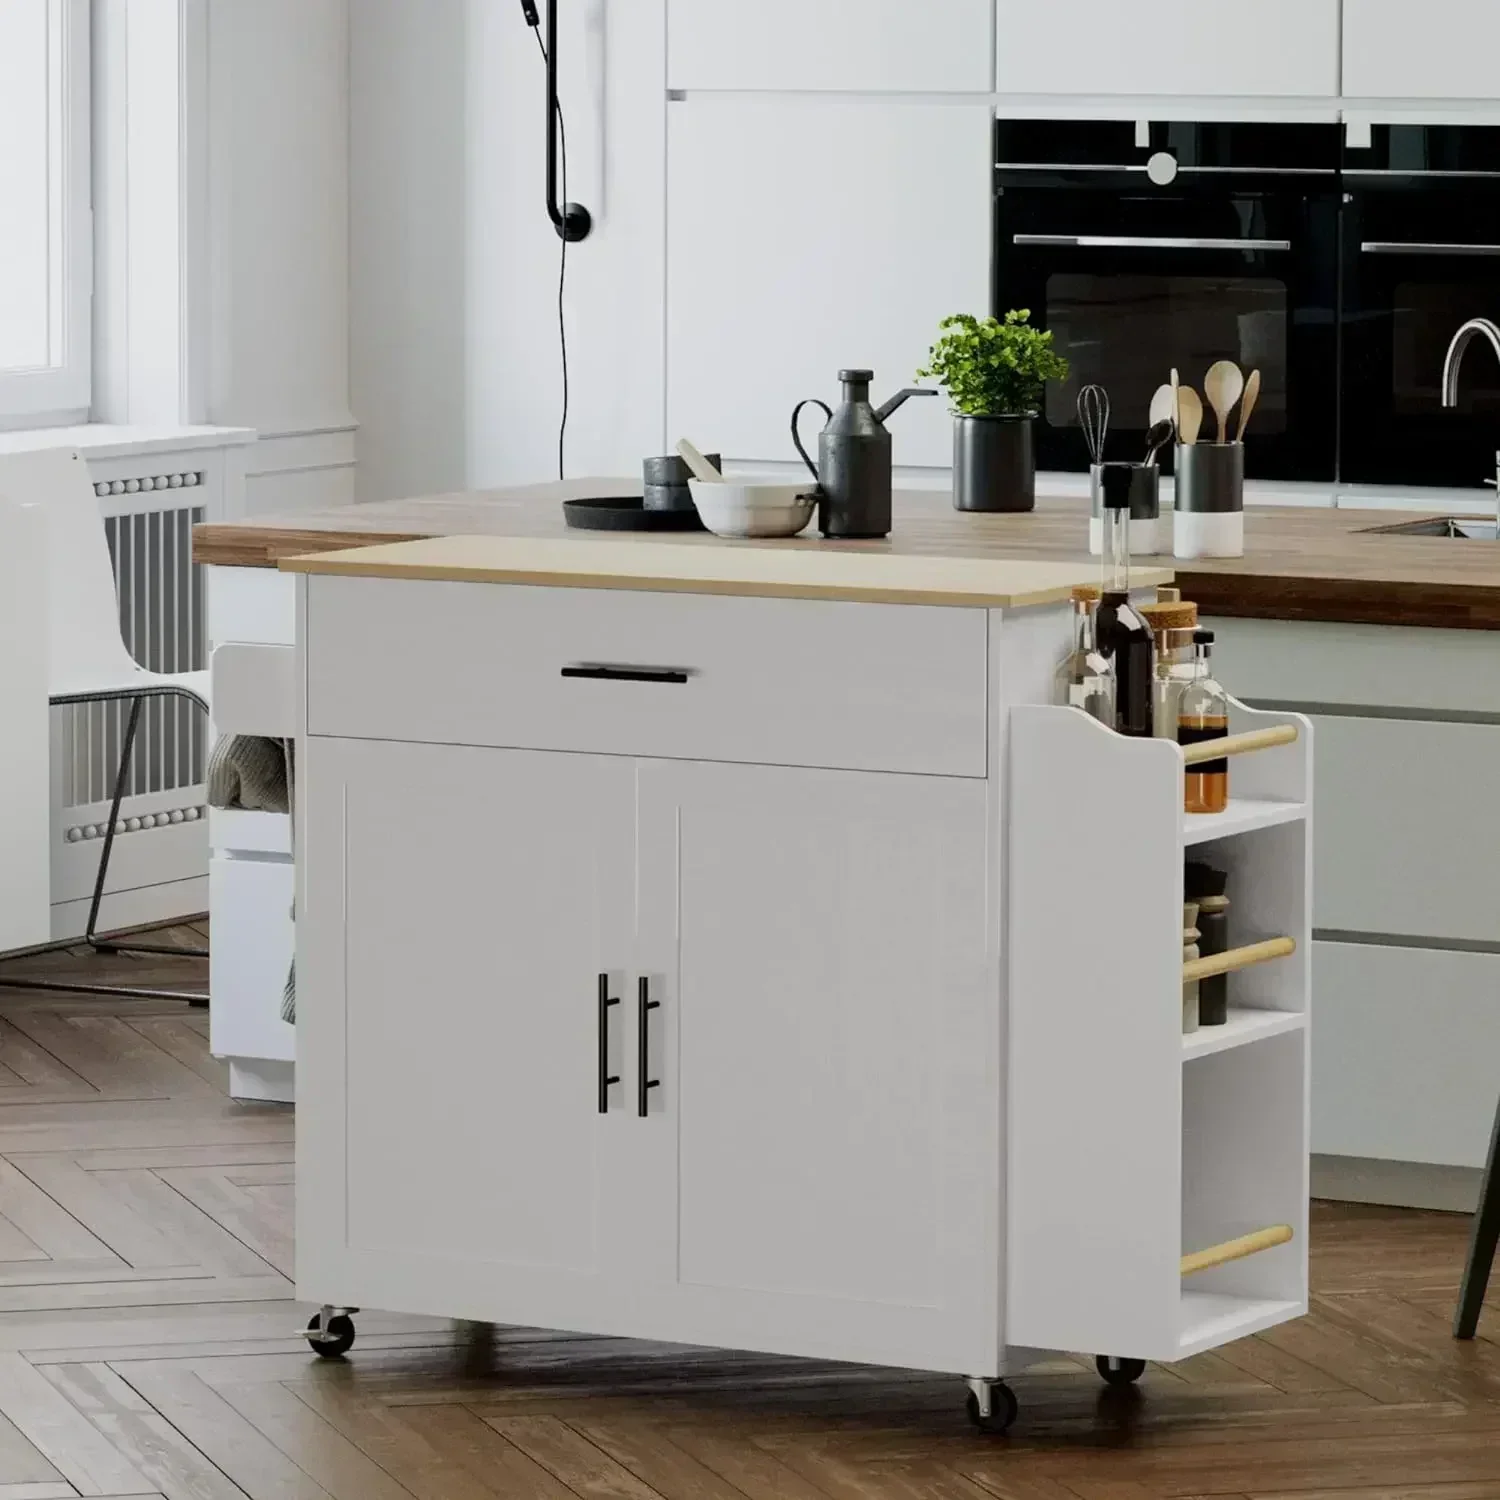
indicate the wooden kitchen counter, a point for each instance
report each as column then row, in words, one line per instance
column 1300, row 564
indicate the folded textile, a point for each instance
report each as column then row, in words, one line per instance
column 249, row 771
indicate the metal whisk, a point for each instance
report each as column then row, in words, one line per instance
column 1093, row 417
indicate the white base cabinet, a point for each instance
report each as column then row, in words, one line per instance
column 808, row 1174
column 716, row 1052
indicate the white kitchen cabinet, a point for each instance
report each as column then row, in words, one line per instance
column 1277, row 48
column 1410, row 841
column 782, row 919
column 913, row 46
column 452, row 938
column 1442, row 49
column 823, row 1143
column 1404, row 1059
column 810, row 234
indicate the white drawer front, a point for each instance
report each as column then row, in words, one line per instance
column 255, row 689
column 1406, row 1053
column 867, row 687
column 1408, row 838
column 878, row 45
column 250, row 904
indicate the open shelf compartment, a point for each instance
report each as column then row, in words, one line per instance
column 1129, row 1143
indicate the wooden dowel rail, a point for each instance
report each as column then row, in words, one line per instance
column 1237, row 958
column 1239, row 744
column 1246, row 1244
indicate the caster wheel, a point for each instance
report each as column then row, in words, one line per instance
column 1119, row 1371
column 333, row 1341
column 1003, row 1410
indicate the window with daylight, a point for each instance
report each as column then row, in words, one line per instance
column 45, row 232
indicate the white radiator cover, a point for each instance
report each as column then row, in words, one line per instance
column 158, row 868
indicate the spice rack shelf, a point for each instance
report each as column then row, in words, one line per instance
column 1122, row 1158
column 1243, row 1027
column 1241, row 816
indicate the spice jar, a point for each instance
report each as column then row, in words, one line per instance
column 1172, row 625
column 1206, row 886
column 1189, row 952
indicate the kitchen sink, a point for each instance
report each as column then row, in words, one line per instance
column 1460, row 528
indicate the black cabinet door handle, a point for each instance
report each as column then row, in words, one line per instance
column 644, row 1006
column 603, row 672
column 605, row 1076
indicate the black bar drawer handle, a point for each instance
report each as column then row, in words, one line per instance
column 605, row 1076
column 644, row 1006
column 605, row 673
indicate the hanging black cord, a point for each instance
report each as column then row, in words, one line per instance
column 562, row 270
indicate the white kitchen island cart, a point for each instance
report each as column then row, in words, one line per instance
column 719, row 946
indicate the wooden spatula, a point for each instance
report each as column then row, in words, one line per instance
column 1223, row 385
column 1190, row 415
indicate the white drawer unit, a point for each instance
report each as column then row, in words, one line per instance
column 908, row 46
column 865, row 687
column 1441, row 49
column 1407, row 1044
column 1278, row 48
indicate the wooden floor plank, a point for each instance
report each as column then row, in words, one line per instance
column 63, row 1434
column 168, row 1462
column 221, row 1434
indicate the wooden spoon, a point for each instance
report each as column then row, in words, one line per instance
column 1223, row 385
column 1176, row 404
column 1190, row 408
column 1252, row 395
column 700, row 466
column 1163, row 406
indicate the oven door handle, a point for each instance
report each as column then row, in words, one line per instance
column 1416, row 247
column 1144, row 242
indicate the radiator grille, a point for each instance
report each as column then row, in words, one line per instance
column 162, row 619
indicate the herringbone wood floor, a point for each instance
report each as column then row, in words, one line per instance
column 148, row 1343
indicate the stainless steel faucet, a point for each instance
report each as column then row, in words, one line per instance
column 1451, row 366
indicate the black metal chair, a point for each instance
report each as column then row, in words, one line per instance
column 1482, row 1241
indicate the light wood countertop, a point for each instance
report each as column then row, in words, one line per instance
column 765, row 568
column 1299, row 564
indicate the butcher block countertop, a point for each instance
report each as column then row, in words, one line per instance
column 1300, row 564
column 765, row 568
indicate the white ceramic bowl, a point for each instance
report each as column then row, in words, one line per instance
column 732, row 509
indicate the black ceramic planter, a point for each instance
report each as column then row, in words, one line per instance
column 994, row 464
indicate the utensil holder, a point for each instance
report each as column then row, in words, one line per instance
column 1209, row 513
column 1145, row 508
column 664, row 482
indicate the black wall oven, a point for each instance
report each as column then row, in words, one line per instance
column 1210, row 242
column 1421, row 257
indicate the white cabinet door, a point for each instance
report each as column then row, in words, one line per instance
column 1408, row 843
column 1278, row 47
column 810, row 234
column 459, row 905
column 1441, row 49
column 913, row 46
column 823, row 1170
column 1404, row 1053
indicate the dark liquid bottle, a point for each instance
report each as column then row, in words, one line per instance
column 1121, row 633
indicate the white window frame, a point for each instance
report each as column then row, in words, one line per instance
column 62, row 393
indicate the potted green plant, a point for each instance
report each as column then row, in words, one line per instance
column 995, row 371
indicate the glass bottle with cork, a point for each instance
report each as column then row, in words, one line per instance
column 1172, row 623
column 1086, row 678
column 1120, row 632
column 1204, row 715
